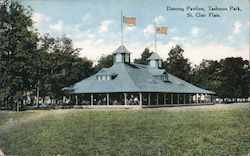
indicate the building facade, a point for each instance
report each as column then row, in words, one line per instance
column 127, row 84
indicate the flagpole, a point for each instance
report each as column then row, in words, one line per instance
column 155, row 36
column 121, row 28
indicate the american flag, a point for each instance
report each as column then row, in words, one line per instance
column 130, row 21
column 161, row 30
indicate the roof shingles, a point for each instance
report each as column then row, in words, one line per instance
column 138, row 79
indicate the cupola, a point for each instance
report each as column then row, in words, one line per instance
column 121, row 55
column 155, row 61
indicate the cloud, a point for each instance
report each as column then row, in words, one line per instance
column 86, row 17
column 178, row 39
column 237, row 27
column 148, row 30
column 73, row 31
column 94, row 49
column 172, row 30
column 94, row 42
column 195, row 31
column 159, row 19
column 230, row 38
column 57, row 26
column 89, row 35
column 214, row 52
column 105, row 25
column 38, row 17
column 128, row 29
column 196, row 54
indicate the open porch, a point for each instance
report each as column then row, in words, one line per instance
column 138, row 100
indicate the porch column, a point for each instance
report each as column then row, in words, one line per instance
column 125, row 99
column 63, row 99
column 17, row 106
column 172, row 99
column 107, row 99
column 140, row 97
column 196, row 98
column 148, row 98
column 164, row 98
column 201, row 95
column 92, row 99
column 178, row 102
column 157, row 99
column 76, row 100
column 184, row 99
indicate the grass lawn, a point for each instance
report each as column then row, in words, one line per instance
column 10, row 116
column 133, row 132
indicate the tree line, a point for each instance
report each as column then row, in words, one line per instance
column 229, row 77
column 33, row 64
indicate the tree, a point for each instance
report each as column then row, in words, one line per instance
column 176, row 64
column 207, row 75
column 145, row 54
column 60, row 65
column 245, row 80
column 29, row 64
column 229, row 77
column 105, row 61
column 234, row 77
column 18, row 46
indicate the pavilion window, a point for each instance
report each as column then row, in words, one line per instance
column 159, row 63
column 118, row 58
column 153, row 63
column 126, row 58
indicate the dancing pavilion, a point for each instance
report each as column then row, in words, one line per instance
column 129, row 85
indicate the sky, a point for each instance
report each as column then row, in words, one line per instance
column 95, row 26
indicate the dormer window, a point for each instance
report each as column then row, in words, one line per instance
column 108, row 77
column 164, row 78
column 103, row 77
column 99, row 77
